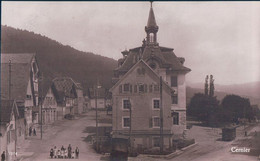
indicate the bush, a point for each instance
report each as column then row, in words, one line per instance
column 182, row 143
column 69, row 116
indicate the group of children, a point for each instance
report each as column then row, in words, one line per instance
column 64, row 153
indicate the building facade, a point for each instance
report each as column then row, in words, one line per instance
column 80, row 99
column 21, row 71
column 65, row 92
column 137, row 86
column 49, row 107
column 101, row 96
column 9, row 129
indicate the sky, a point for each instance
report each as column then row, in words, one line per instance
column 218, row 38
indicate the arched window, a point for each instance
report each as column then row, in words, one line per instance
column 151, row 37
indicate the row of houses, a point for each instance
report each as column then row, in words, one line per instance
column 27, row 99
column 19, row 98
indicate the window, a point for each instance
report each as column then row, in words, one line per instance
column 8, row 137
column 152, row 65
column 126, row 87
column 173, row 81
column 156, row 87
column 151, row 37
column 126, row 104
column 175, row 118
column 126, row 122
column 141, row 88
column 28, row 96
column 156, row 122
column 174, row 99
column 156, row 142
column 156, row 104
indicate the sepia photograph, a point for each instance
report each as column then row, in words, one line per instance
column 130, row 81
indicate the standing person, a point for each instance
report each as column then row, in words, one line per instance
column 3, row 156
column 69, row 151
column 51, row 153
column 58, row 154
column 55, row 152
column 30, row 131
column 34, row 131
column 65, row 153
column 77, row 152
column 62, row 153
column 73, row 155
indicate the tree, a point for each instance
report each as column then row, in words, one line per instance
column 206, row 90
column 203, row 107
column 211, row 86
column 238, row 107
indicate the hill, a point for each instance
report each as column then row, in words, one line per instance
column 55, row 59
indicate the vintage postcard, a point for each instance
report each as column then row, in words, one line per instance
column 137, row 81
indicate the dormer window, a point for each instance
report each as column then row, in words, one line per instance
column 153, row 66
column 126, row 87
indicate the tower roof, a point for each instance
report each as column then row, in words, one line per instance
column 151, row 19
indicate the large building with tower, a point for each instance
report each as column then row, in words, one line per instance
column 136, row 97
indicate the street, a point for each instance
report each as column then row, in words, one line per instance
column 209, row 145
column 62, row 132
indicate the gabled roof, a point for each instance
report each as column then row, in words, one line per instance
column 17, row 57
column 7, row 108
column 20, row 75
column 64, row 87
column 152, row 71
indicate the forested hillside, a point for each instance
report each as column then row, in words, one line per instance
column 55, row 59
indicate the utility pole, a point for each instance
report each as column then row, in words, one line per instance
column 11, row 104
column 161, row 118
column 41, row 101
column 10, row 71
column 96, row 97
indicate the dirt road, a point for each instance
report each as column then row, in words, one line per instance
column 63, row 132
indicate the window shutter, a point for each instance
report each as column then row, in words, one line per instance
column 130, row 86
column 135, row 88
column 150, row 122
column 174, row 81
column 120, row 89
column 151, row 88
column 145, row 88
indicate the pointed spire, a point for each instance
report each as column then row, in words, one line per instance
column 151, row 29
column 151, row 19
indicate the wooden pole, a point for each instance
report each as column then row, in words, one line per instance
column 10, row 65
column 95, row 90
column 161, row 118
